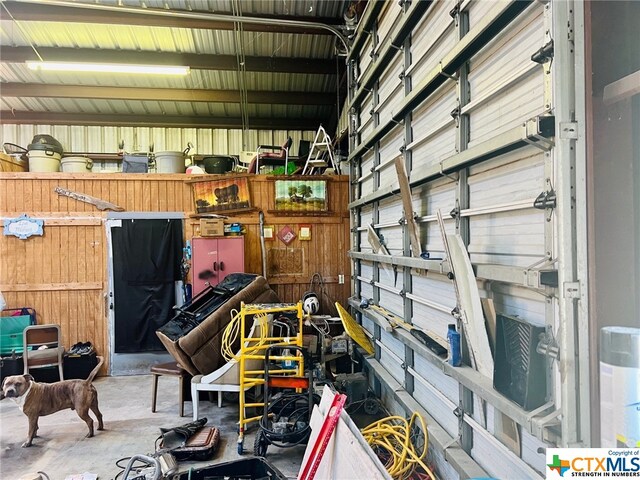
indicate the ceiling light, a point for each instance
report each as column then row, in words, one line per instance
column 108, row 68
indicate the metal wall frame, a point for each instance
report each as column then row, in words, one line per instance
column 557, row 131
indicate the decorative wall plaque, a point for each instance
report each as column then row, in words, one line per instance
column 23, row 227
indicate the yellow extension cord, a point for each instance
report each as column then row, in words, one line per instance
column 232, row 330
column 393, row 434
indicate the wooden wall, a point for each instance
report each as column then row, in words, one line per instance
column 63, row 274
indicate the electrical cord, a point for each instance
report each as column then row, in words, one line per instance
column 393, row 439
column 318, row 280
column 280, row 407
column 232, row 331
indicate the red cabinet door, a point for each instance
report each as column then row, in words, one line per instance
column 204, row 266
column 214, row 259
column 230, row 256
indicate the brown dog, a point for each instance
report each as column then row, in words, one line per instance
column 40, row 399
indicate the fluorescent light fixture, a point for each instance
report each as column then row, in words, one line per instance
column 108, row 68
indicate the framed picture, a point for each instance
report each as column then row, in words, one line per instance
column 305, row 232
column 219, row 196
column 269, row 232
column 301, row 195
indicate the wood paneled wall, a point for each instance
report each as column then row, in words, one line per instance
column 63, row 274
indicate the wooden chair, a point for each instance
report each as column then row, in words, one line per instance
column 35, row 337
column 171, row 369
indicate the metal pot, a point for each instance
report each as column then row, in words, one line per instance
column 219, row 164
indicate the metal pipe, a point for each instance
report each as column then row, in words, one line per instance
column 430, row 304
column 196, row 16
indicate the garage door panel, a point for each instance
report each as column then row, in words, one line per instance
column 367, row 165
column 518, row 301
column 367, row 324
column 507, row 51
column 433, row 128
column 395, row 345
column 391, row 359
column 443, row 383
column 366, row 290
column 366, row 218
column 480, row 8
column 390, row 81
column 508, row 233
column 365, row 118
column 531, row 447
column 430, row 319
column 435, row 149
column 512, row 178
column 390, row 284
column 432, row 38
column 389, row 150
column 365, row 57
column 519, row 103
column 521, row 99
column 366, row 269
column 436, row 407
column 389, row 17
column 495, row 462
column 433, row 298
column 429, row 198
column 390, row 210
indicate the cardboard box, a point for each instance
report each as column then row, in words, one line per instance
column 211, row 227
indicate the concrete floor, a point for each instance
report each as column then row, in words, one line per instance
column 130, row 428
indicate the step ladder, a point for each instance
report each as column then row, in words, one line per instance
column 320, row 154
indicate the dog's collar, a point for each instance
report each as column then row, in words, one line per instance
column 20, row 401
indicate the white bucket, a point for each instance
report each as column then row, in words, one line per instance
column 170, row 162
column 44, row 161
column 77, row 164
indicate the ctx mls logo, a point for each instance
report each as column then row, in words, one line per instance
column 561, row 466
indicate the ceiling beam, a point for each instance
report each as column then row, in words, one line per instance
column 193, row 60
column 11, row 117
column 149, row 17
column 38, row 90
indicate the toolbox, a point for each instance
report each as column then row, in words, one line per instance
column 13, row 321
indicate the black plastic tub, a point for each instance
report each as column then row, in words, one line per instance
column 255, row 468
column 218, row 164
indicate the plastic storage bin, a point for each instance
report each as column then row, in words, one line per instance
column 76, row 164
column 256, row 468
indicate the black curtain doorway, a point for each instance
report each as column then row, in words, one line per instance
column 146, row 263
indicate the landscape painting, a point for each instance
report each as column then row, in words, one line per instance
column 218, row 196
column 301, row 195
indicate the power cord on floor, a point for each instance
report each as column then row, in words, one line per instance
column 394, row 440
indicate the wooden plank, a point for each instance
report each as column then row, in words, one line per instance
column 468, row 299
column 407, row 205
column 377, row 246
column 622, row 89
column 49, row 287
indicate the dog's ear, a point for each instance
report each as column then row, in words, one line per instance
column 28, row 377
column 3, row 380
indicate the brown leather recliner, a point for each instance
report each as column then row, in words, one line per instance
column 198, row 351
